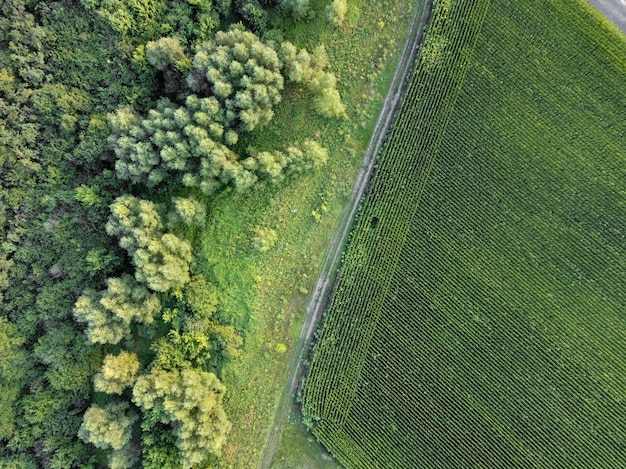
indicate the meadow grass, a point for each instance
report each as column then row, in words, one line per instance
column 265, row 294
column 479, row 322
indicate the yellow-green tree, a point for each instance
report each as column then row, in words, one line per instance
column 117, row 373
column 191, row 401
column 110, row 428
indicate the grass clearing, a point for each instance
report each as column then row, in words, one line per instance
column 265, row 294
column 479, row 321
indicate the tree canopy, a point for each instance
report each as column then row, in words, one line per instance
column 191, row 401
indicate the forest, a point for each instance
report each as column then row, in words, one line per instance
column 120, row 121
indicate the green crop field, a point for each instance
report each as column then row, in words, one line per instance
column 479, row 319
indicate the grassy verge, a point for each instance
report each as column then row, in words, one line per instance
column 266, row 293
column 478, row 319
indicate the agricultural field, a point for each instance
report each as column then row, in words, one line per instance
column 478, row 316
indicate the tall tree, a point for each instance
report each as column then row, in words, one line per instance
column 191, row 401
column 117, row 373
column 110, row 428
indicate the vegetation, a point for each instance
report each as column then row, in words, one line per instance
column 80, row 144
column 477, row 320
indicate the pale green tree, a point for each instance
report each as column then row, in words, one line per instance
column 102, row 325
column 186, row 210
column 166, row 52
column 243, row 73
column 134, row 221
column 117, row 373
column 110, row 428
column 163, row 263
column 336, row 11
column 130, row 300
column 191, row 401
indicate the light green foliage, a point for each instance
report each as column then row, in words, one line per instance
column 274, row 166
column 191, row 401
column 264, row 238
column 163, row 263
column 102, row 326
column 110, row 428
column 166, row 52
column 243, row 73
column 161, row 259
column 336, row 11
column 134, row 221
column 88, row 195
column 117, row 373
column 310, row 70
column 109, row 313
column 188, row 211
column 129, row 300
column 189, row 139
column 183, row 348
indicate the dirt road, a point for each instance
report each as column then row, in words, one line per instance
column 326, row 279
column 614, row 10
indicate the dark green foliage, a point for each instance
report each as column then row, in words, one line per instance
column 253, row 15
column 297, row 8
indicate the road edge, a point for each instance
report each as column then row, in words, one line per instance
column 323, row 287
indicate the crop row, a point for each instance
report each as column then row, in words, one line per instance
column 392, row 200
column 479, row 323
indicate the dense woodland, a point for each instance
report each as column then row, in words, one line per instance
column 119, row 121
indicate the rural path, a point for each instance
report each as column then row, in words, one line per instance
column 324, row 284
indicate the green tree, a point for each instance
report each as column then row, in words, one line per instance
column 167, row 52
column 297, row 8
column 102, row 326
column 129, row 300
column 88, row 195
column 110, row 428
column 191, row 401
column 134, row 221
column 310, row 70
column 13, row 363
column 201, row 297
column 109, row 313
column 117, row 373
column 186, row 210
column 163, row 263
column 243, row 73
column 336, row 11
